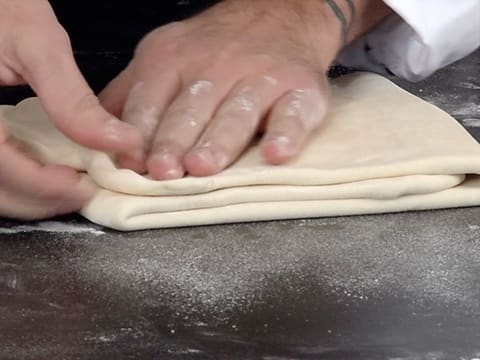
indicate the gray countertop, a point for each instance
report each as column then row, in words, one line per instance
column 395, row 286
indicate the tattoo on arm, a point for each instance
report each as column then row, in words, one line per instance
column 345, row 24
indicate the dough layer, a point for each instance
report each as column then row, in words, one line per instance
column 381, row 149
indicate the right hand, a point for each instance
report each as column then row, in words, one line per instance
column 35, row 49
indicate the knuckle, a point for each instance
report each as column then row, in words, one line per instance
column 54, row 37
column 263, row 61
column 228, row 54
column 60, row 36
column 74, row 110
column 164, row 40
column 144, row 46
column 147, row 41
column 173, row 29
column 170, row 49
column 164, row 57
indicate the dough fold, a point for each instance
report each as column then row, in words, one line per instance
column 380, row 150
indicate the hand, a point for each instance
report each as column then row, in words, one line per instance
column 29, row 190
column 200, row 90
column 35, row 49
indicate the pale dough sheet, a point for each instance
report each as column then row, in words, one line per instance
column 381, row 150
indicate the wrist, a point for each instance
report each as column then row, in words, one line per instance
column 356, row 17
column 342, row 16
column 308, row 25
column 350, row 19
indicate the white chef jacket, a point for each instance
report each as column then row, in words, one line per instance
column 422, row 37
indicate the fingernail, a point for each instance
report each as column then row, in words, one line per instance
column 167, row 166
column 283, row 144
column 215, row 157
column 279, row 148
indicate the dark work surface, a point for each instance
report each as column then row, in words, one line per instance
column 112, row 24
column 396, row 286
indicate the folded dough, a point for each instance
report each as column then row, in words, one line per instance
column 380, row 150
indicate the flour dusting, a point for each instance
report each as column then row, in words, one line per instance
column 52, row 227
column 207, row 275
column 471, row 122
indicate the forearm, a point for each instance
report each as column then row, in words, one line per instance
column 354, row 18
column 320, row 27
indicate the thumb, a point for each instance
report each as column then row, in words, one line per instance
column 51, row 71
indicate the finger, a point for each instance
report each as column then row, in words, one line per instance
column 115, row 94
column 53, row 74
column 233, row 127
column 147, row 101
column 30, row 190
column 292, row 119
column 22, row 207
column 182, row 125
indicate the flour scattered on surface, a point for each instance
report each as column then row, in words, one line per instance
column 198, row 275
column 471, row 122
column 469, row 85
column 52, row 227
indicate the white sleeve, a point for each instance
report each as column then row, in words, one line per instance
column 422, row 37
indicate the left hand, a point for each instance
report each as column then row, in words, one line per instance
column 200, row 90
